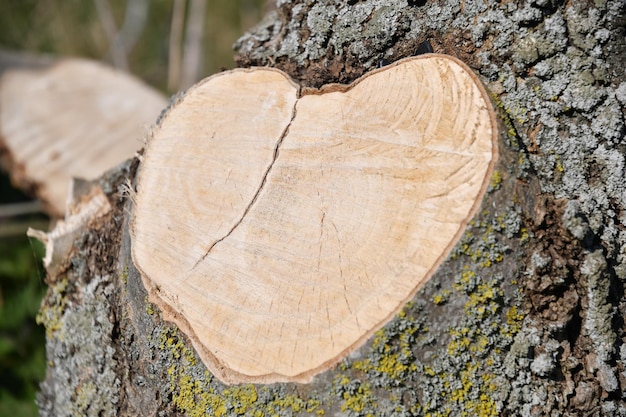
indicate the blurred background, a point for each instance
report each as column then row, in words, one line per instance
column 170, row 44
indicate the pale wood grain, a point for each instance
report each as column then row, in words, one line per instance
column 73, row 118
column 279, row 230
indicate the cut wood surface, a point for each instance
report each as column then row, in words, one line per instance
column 279, row 227
column 70, row 118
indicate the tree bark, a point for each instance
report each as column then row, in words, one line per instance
column 525, row 318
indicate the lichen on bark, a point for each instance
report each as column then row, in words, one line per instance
column 552, row 68
column 526, row 318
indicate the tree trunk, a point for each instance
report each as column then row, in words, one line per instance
column 526, row 317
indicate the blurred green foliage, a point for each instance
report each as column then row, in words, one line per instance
column 74, row 28
column 22, row 354
column 22, row 349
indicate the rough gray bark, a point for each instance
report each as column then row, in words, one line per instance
column 525, row 318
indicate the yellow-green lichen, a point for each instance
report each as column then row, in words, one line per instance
column 124, row 274
column 392, row 361
column 149, row 306
column 481, row 244
column 482, row 300
column 463, row 379
column 506, row 116
column 358, row 398
column 469, row 389
column 462, row 376
column 84, row 394
column 559, row 165
column 289, row 401
column 193, row 397
column 514, row 319
column 171, row 341
column 441, row 297
column 51, row 312
column 243, row 398
column 195, row 393
column 495, row 181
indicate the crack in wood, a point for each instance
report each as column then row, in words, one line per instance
column 258, row 191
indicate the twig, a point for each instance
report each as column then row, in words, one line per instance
column 116, row 45
column 175, row 44
column 134, row 22
column 20, row 209
column 192, row 59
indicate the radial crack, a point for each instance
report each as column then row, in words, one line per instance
column 259, row 189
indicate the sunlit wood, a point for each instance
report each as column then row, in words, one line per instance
column 280, row 228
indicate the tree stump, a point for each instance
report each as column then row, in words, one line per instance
column 265, row 212
column 524, row 317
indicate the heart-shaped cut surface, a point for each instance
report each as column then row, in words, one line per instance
column 280, row 228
